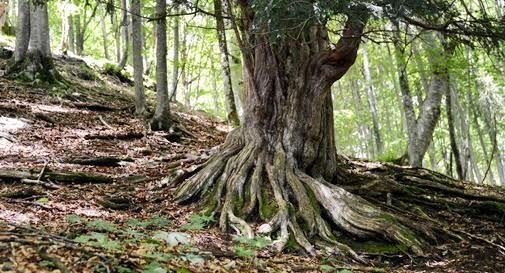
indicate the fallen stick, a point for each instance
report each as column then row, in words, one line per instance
column 105, row 123
column 107, row 161
column 57, row 176
column 125, row 136
column 48, row 185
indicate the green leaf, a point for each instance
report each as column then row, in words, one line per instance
column 101, row 225
column 244, row 252
column 159, row 221
column 172, row 238
column 195, row 259
column 43, row 200
column 73, row 218
column 122, row 269
column 345, row 271
column 325, row 267
column 198, row 222
column 154, row 268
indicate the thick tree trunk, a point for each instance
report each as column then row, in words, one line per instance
column 280, row 163
column 35, row 62
column 138, row 69
column 161, row 119
column 231, row 109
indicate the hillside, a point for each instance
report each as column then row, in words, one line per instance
column 83, row 189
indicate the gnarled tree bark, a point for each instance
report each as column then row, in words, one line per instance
column 278, row 168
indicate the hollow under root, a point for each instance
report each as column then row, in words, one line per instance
column 242, row 182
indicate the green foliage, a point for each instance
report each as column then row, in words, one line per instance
column 154, row 267
column 99, row 240
column 73, row 218
column 154, row 221
column 43, row 200
column 197, row 222
column 247, row 248
column 329, row 268
column 123, row 269
column 101, row 225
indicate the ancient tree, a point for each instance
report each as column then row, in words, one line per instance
column 281, row 169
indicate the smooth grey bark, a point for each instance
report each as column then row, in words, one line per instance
column 231, row 109
column 420, row 129
column 464, row 139
column 65, row 28
column 372, row 103
column 34, row 63
column 39, row 31
column 408, row 106
column 79, row 36
column 71, row 35
column 161, row 119
column 175, row 58
column 22, row 30
column 124, row 34
column 117, row 36
column 452, row 133
column 138, row 66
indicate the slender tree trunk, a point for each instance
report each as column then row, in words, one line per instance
column 124, row 34
column 481, row 140
column 175, row 64
column 420, row 130
column 22, row 30
column 161, row 119
column 231, row 109
column 452, row 133
column 358, row 108
column 138, row 69
column 104, row 36
column 408, row 106
column 117, row 36
column 65, row 28
column 79, row 35
column 71, row 34
column 372, row 103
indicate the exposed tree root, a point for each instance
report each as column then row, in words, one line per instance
column 244, row 183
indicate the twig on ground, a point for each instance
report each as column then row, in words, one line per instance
column 105, row 123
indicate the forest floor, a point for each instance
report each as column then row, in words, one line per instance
column 56, row 217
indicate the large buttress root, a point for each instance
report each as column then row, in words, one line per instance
column 244, row 184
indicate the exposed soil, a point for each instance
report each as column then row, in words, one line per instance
column 45, row 128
